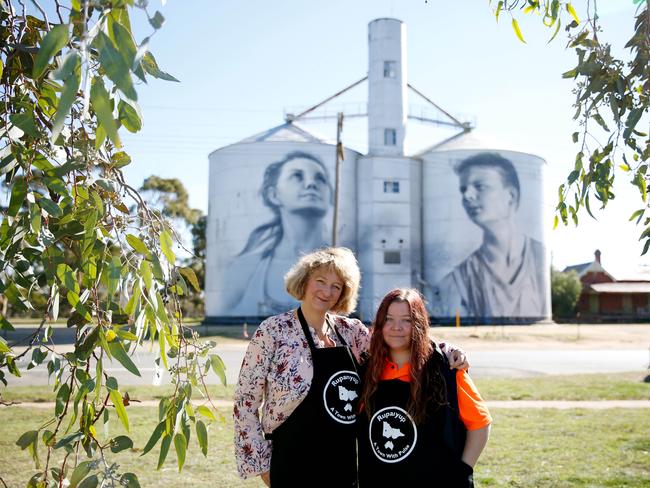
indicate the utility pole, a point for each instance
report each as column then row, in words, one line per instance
column 339, row 157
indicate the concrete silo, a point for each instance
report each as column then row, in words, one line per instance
column 484, row 231
column 270, row 201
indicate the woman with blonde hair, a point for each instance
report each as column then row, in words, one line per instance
column 301, row 369
column 420, row 423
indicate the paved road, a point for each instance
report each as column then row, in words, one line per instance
column 493, row 363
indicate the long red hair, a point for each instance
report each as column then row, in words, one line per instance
column 421, row 351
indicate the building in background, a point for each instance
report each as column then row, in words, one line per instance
column 606, row 299
column 462, row 221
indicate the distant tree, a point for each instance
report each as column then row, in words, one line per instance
column 612, row 105
column 565, row 293
column 170, row 197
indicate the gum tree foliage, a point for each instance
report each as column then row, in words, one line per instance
column 68, row 78
column 612, row 102
column 565, row 293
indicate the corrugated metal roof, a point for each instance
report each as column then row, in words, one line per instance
column 618, row 287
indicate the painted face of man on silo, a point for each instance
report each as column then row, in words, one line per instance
column 489, row 188
column 302, row 187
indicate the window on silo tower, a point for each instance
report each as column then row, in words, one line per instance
column 390, row 137
column 390, row 69
column 391, row 186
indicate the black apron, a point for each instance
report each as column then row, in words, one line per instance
column 316, row 445
column 394, row 451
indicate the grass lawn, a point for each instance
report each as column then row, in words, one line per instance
column 601, row 386
column 614, row 386
column 536, row 448
column 40, row 394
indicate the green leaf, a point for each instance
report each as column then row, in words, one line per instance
column 218, row 367
column 166, row 244
column 129, row 480
column 206, row 412
column 18, row 194
column 157, row 20
column 102, row 107
column 129, row 116
column 180, row 444
column 118, row 352
column 572, row 12
column 515, row 26
column 116, row 69
column 62, row 397
column 498, row 11
column 4, row 348
column 597, row 117
column 120, row 443
column 51, row 44
column 137, row 245
column 557, row 29
column 25, row 122
column 189, row 274
column 160, row 428
column 75, row 301
column 632, row 119
column 68, row 96
column 151, row 66
column 50, row 207
column 202, row 436
column 5, row 324
column 164, row 449
column 646, row 246
column 116, row 398
column 120, row 159
column 90, row 482
column 79, row 473
column 27, row 438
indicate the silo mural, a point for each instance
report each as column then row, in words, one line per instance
column 271, row 201
column 485, row 252
column 464, row 222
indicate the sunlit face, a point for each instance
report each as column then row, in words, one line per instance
column 302, row 187
column 398, row 327
column 323, row 290
column 486, row 198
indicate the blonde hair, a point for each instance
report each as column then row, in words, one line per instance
column 338, row 259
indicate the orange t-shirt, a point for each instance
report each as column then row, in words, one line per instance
column 473, row 410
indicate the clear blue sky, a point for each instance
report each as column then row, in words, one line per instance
column 241, row 64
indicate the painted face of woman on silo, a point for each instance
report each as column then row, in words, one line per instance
column 486, row 196
column 302, row 188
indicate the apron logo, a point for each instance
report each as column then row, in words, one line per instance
column 392, row 434
column 341, row 395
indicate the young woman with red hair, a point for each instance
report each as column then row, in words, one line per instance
column 421, row 424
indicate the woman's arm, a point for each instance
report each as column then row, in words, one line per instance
column 252, row 450
column 474, row 444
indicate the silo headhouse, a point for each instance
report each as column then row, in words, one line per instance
column 462, row 221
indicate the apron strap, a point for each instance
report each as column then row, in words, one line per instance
column 305, row 329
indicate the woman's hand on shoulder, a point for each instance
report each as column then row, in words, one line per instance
column 455, row 355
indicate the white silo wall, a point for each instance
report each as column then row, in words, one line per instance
column 249, row 283
column 456, row 276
